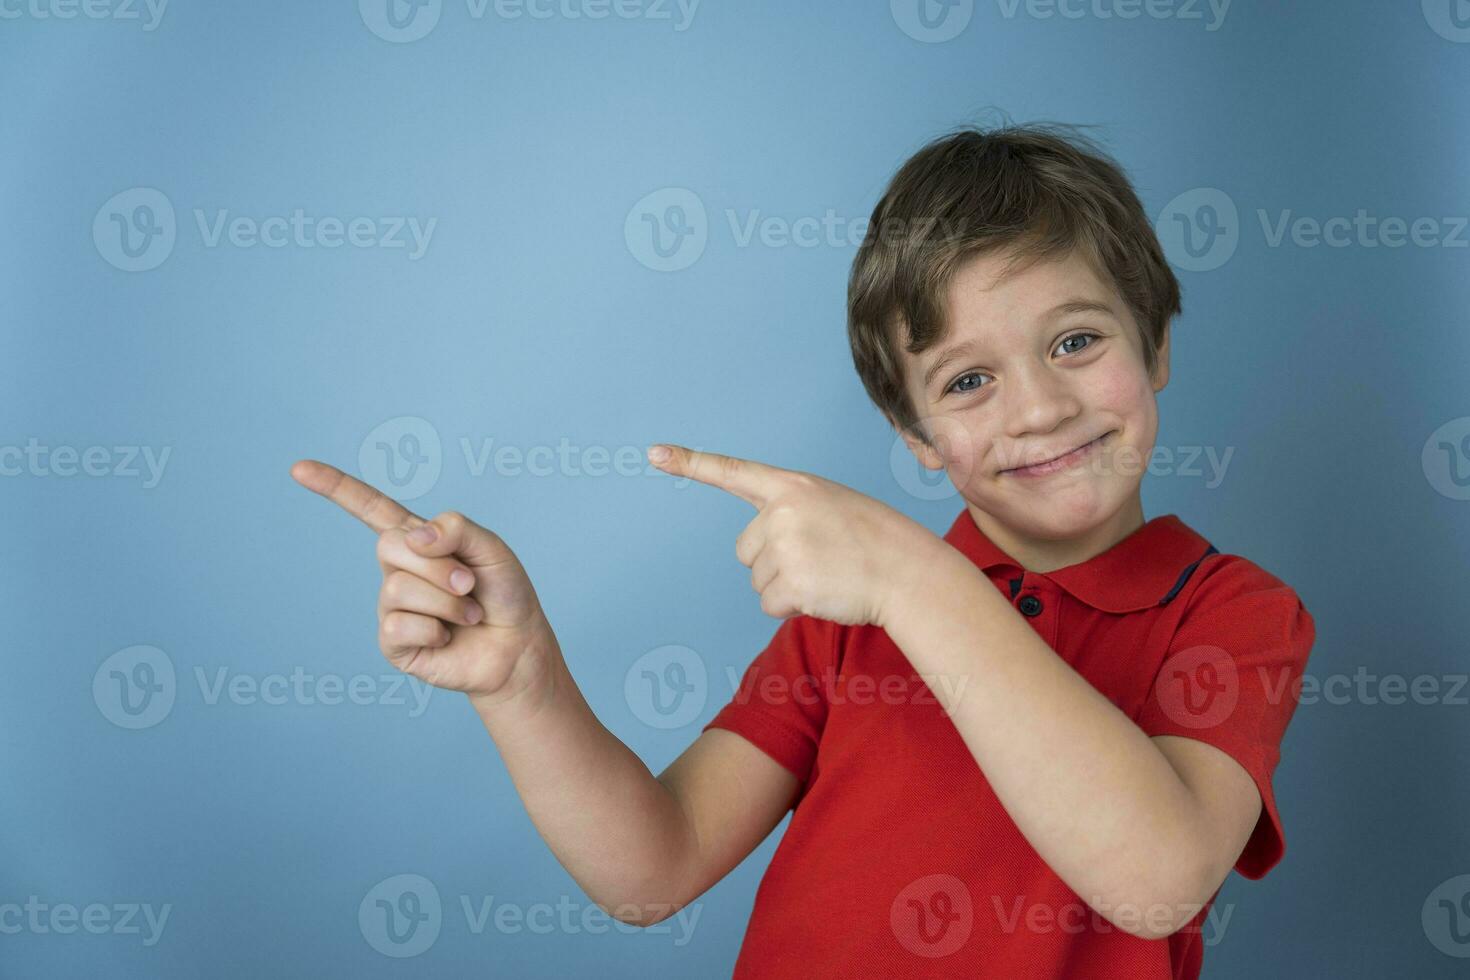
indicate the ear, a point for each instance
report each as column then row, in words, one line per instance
column 927, row 456
column 1161, row 362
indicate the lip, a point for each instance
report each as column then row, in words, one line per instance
column 1062, row 462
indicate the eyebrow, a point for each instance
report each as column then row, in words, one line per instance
column 1060, row 310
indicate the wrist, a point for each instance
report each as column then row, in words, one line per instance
column 928, row 564
column 538, row 679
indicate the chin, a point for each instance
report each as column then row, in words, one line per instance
column 1062, row 514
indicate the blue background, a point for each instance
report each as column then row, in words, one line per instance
column 532, row 318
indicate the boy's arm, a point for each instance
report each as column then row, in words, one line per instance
column 640, row 847
column 1143, row 842
column 458, row 610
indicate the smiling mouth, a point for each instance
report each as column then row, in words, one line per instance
column 1057, row 462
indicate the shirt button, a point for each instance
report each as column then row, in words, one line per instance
column 1030, row 605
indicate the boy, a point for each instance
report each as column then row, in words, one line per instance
column 1032, row 748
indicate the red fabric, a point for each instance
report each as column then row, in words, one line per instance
column 899, row 859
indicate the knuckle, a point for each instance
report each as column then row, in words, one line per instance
column 387, row 541
column 804, row 481
column 376, row 501
column 451, row 521
column 395, row 586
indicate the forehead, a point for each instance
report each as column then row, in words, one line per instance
column 982, row 301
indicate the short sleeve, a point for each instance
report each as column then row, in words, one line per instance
column 1232, row 678
column 780, row 705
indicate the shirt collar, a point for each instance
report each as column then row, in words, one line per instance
column 1145, row 569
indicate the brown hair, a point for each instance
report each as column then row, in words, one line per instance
column 1040, row 190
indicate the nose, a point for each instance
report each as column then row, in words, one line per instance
column 1040, row 401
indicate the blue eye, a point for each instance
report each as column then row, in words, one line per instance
column 1077, row 336
column 956, row 386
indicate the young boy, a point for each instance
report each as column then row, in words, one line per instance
column 1032, row 748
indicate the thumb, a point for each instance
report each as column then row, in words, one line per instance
column 452, row 533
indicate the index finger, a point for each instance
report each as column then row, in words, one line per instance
column 753, row 482
column 371, row 506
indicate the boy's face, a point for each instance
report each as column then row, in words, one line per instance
column 1033, row 385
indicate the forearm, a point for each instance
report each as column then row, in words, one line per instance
column 1087, row 788
column 615, row 828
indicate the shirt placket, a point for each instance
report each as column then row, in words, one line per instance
column 1036, row 598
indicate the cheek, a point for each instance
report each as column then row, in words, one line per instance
column 1125, row 394
column 961, row 448
column 1121, row 390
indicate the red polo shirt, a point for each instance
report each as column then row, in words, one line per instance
column 900, row 860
